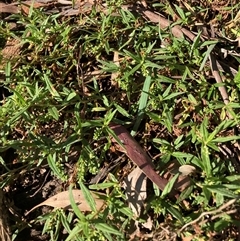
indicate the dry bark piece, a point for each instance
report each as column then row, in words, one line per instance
column 135, row 152
column 8, row 8
column 11, row 50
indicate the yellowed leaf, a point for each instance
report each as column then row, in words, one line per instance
column 61, row 200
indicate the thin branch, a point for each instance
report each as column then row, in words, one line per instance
column 219, row 210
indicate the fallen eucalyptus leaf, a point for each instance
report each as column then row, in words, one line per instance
column 61, row 200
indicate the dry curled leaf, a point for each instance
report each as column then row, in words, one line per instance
column 186, row 170
column 61, row 200
column 135, row 185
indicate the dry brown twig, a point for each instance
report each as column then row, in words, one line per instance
column 219, row 216
column 137, row 155
column 214, row 212
column 4, row 229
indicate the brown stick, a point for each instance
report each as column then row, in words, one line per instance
column 138, row 156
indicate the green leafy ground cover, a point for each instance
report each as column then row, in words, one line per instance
column 75, row 74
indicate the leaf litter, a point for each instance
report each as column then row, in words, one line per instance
column 137, row 202
column 61, row 200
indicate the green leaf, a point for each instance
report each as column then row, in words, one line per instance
column 213, row 146
column 167, row 119
column 207, row 195
column 50, row 86
column 65, row 222
column 161, row 142
column 109, row 116
column 109, row 66
column 167, row 91
column 136, row 57
column 223, row 125
column 127, row 211
column 175, row 213
column 232, row 178
column 237, row 79
column 180, row 12
column 206, row 160
column 232, row 186
column 209, row 42
column 71, row 96
column 74, row 138
column 132, row 71
column 52, row 162
column 185, row 194
column 88, row 197
column 102, row 186
column 85, row 228
column 219, row 199
column 142, row 104
column 155, row 117
column 17, row 116
column 223, row 223
column 20, row 98
column 8, row 72
column 169, row 186
column 122, row 111
column 196, row 42
column 178, row 140
column 182, row 154
column 220, row 190
column 112, row 133
column 108, row 236
column 98, row 109
column 204, row 131
column 226, row 138
column 172, row 95
column 53, row 112
column 107, row 228
column 76, row 210
column 105, row 100
column 208, row 52
column 75, row 232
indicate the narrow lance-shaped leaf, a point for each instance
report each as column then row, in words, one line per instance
column 142, row 104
